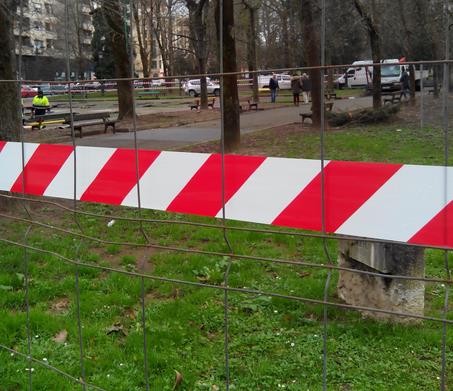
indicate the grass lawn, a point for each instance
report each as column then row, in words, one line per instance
column 273, row 343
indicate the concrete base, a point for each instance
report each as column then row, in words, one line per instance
column 382, row 292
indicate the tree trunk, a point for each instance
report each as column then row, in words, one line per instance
column 10, row 119
column 230, row 88
column 407, row 49
column 117, row 38
column 198, row 27
column 373, row 34
column 313, row 56
column 251, row 52
column 142, row 44
column 376, row 55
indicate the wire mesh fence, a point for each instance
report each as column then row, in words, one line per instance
column 227, row 266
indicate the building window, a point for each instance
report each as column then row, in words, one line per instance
column 26, row 41
column 37, row 25
column 39, row 43
column 49, row 9
column 50, row 44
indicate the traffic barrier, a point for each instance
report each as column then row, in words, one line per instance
column 403, row 203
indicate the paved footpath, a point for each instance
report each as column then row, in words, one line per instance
column 174, row 137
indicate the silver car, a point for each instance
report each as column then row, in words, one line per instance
column 192, row 87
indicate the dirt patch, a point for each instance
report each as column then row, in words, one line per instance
column 157, row 296
column 59, row 306
column 129, row 258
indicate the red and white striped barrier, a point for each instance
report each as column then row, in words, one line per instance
column 405, row 203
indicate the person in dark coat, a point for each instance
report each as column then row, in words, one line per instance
column 296, row 86
column 306, row 87
column 273, row 86
column 404, row 80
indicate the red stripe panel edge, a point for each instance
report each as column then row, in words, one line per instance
column 41, row 169
column 202, row 195
column 348, row 185
column 118, row 176
column 2, row 144
column 438, row 231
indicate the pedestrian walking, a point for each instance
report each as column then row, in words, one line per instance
column 404, row 80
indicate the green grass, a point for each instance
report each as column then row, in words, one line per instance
column 274, row 343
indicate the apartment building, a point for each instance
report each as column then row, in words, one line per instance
column 44, row 39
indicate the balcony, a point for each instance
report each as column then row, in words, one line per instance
column 51, row 34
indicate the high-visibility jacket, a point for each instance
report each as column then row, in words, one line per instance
column 40, row 102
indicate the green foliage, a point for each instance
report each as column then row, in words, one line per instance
column 104, row 64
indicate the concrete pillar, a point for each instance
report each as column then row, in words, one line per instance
column 382, row 292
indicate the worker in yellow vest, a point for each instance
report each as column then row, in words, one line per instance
column 40, row 106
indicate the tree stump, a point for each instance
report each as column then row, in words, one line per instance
column 385, row 293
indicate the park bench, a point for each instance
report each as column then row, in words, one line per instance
column 38, row 121
column 328, row 106
column 249, row 103
column 330, row 95
column 30, row 109
column 153, row 94
column 81, row 121
column 429, row 86
column 196, row 104
column 392, row 97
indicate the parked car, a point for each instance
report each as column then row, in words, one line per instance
column 158, row 82
column 284, row 81
column 192, row 87
column 50, row 89
column 88, row 86
column 28, row 92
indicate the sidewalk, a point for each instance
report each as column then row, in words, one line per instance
column 174, row 137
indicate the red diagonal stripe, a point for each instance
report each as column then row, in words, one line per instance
column 2, row 144
column 439, row 231
column 118, row 176
column 347, row 186
column 203, row 193
column 41, row 169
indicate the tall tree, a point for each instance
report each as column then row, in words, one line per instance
column 118, row 38
column 312, row 42
column 104, row 62
column 252, row 7
column 10, row 119
column 231, row 119
column 143, row 14
column 198, row 19
column 369, row 17
column 163, row 28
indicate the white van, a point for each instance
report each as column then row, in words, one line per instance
column 359, row 75
column 362, row 75
column 284, row 81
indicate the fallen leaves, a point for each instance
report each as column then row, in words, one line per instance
column 178, row 379
column 117, row 328
column 61, row 336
